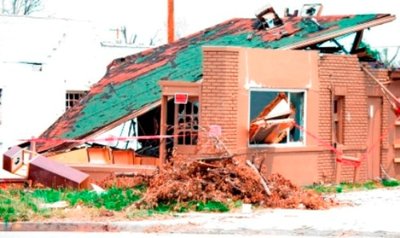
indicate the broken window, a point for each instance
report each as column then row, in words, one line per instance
column 276, row 116
column 338, row 119
column 187, row 122
column 73, row 97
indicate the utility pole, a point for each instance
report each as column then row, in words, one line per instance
column 171, row 24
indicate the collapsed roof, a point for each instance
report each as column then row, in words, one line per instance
column 130, row 86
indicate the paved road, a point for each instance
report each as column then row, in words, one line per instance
column 372, row 214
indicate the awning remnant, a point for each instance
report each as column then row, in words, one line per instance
column 272, row 123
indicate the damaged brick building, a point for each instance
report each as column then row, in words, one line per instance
column 286, row 93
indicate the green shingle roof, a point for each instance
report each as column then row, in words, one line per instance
column 131, row 83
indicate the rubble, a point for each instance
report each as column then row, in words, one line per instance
column 226, row 180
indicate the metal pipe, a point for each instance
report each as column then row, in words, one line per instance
column 171, row 24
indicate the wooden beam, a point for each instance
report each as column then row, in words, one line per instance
column 262, row 181
column 381, row 85
column 163, row 130
column 357, row 41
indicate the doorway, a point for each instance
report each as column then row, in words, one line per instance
column 374, row 137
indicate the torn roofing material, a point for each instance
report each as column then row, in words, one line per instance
column 131, row 83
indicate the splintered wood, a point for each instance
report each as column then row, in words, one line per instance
column 224, row 180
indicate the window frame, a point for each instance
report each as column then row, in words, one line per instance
column 74, row 101
column 192, row 129
column 289, row 144
column 338, row 120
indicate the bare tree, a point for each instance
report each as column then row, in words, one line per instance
column 20, row 7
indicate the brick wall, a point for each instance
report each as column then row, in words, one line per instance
column 342, row 75
column 219, row 97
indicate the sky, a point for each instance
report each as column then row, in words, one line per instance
column 148, row 18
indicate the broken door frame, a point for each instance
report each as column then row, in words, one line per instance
column 169, row 89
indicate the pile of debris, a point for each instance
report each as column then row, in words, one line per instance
column 225, row 180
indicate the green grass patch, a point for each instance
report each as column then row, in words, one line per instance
column 18, row 205
column 48, row 195
column 23, row 205
column 322, row 188
column 370, row 185
column 346, row 186
column 390, row 182
column 115, row 199
column 212, row 206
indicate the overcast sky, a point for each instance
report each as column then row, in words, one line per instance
column 148, row 17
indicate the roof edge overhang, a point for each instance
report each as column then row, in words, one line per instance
column 335, row 34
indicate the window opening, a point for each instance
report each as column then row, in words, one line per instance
column 274, row 115
column 73, row 97
column 338, row 119
column 187, row 122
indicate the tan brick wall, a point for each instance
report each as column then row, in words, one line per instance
column 219, row 97
column 342, row 73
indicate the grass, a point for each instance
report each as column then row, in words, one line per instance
column 19, row 205
column 212, row 206
column 25, row 204
column 345, row 186
column 390, row 183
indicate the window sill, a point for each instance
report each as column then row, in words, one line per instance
column 288, row 148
